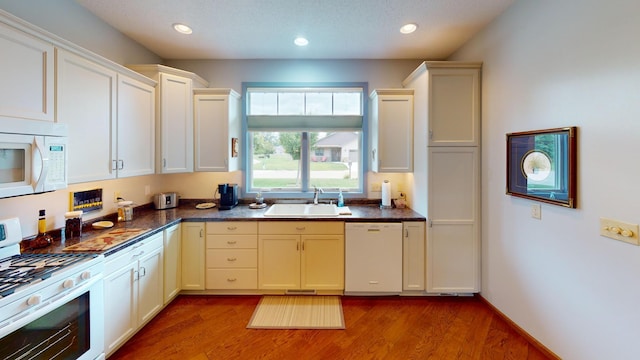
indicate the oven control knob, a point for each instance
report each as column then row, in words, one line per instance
column 34, row 300
column 86, row 275
column 68, row 284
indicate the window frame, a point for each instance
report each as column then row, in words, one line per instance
column 305, row 191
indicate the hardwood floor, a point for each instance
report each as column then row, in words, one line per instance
column 213, row 327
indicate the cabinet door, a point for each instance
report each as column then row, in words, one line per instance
column 212, row 148
column 454, row 107
column 120, row 302
column 453, row 236
column 192, row 256
column 392, row 130
column 172, row 271
column 279, row 262
column 413, row 247
column 322, row 262
column 86, row 96
column 176, row 121
column 27, row 74
column 150, row 286
column 136, row 128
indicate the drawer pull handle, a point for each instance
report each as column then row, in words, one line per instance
column 232, row 259
column 231, row 227
column 300, row 228
column 232, row 279
column 231, row 242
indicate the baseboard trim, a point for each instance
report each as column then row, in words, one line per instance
column 521, row 331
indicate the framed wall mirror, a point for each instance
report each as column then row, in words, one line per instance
column 541, row 165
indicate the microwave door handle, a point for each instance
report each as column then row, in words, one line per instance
column 40, row 154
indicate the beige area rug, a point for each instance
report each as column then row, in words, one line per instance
column 298, row 312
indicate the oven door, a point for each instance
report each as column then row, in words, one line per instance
column 68, row 326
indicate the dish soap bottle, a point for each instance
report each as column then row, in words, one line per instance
column 340, row 199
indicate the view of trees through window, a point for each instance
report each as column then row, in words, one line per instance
column 332, row 158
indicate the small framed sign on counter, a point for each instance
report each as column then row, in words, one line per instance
column 541, row 165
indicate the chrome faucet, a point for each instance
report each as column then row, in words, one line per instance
column 316, row 192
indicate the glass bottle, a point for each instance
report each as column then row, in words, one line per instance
column 42, row 239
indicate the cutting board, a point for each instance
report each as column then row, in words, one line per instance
column 105, row 241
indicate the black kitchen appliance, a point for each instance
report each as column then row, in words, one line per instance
column 228, row 196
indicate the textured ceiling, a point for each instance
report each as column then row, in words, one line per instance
column 265, row 29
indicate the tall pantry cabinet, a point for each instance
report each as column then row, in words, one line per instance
column 446, row 172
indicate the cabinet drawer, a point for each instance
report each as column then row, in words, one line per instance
column 232, row 242
column 235, row 258
column 232, row 279
column 301, row 227
column 133, row 253
column 232, row 227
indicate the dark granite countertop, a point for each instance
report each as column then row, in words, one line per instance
column 145, row 217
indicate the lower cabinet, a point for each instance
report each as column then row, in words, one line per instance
column 133, row 290
column 172, row 263
column 192, row 256
column 232, row 255
column 300, row 255
column 413, row 258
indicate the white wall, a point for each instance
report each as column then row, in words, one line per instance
column 550, row 64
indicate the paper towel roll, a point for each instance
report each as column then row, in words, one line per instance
column 386, row 193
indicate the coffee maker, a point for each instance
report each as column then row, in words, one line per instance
column 228, row 196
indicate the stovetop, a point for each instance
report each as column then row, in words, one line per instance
column 25, row 269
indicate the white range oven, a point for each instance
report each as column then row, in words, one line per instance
column 51, row 305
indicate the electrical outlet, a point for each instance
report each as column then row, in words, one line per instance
column 619, row 230
column 536, row 211
column 376, row 187
column 116, row 195
column 147, row 190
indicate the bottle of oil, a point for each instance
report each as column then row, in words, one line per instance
column 42, row 239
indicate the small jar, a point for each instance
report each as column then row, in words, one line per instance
column 125, row 210
column 73, row 224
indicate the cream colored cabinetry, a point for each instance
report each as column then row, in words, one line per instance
column 110, row 118
column 232, row 255
column 172, row 263
column 301, row 255
column 446, row 177
column 413, row 259
column 391, row 129
column 217, row 122
column 174, row 116
column 192, row 255
column 132, row 290
column 27, row 73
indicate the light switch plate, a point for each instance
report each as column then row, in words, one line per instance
column 536, row 211
column 619, row 230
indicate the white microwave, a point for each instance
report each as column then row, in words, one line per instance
column 33, row 157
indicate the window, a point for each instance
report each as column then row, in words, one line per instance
column 304, row 137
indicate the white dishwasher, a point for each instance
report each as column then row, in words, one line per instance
column 373, row 258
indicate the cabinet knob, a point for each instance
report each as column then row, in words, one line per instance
column 232, row 259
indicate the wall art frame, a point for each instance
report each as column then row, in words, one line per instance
column 541, row 165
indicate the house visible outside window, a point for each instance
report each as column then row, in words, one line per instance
column 304, row 137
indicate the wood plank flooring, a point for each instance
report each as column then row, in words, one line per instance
column 214, row 327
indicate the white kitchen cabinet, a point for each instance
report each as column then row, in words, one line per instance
column 132, row 290
column 217, row 123
column 232, row 255
column 27, row 76
column 174, row 116
column 413, row 259
column 391, row 130
column 453, row 236
column 110, row 118
column 447, row 102
column 172, row 263
column 193, row 256
column 301, row 255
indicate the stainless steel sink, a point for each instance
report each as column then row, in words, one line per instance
column 302, row 211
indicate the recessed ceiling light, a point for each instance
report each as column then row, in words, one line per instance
column 300, row 41
column 408, row 28
column 182, row 28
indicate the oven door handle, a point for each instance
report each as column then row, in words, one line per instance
column 35, row 312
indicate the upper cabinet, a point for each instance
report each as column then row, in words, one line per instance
column 217, row 129
column 174, row 116
column 27, row 76
column 391, row 130
column 110, row 117
column 449, row 98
